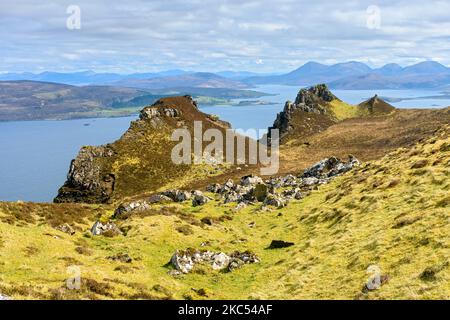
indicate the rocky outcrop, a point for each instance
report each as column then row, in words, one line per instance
column 108, row 229
column 140, row 161
column 312, row 100
column 86, row 181
column 184, row 261
column 66, row 228
column 252, row 189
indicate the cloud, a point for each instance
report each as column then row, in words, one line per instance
column 138, row 35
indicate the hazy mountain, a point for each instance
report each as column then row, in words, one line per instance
column 357, row 75
column 85, row 77
column 198, row 79
column 424, row 75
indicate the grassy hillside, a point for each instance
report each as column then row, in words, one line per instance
column 392, row 213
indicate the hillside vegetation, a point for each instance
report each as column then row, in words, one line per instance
column 317, row 235
column 391, row 214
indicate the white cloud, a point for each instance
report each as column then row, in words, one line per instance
column 152, row 35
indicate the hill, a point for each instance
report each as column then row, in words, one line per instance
column 376, row 232
column 322, row 228
column 140, row 161
column 34, row 100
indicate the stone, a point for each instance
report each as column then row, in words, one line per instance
column 275, row 201
column 250, row 180
column 240, row 206
column 122, row 257
column 310, row 181
column 125, row 209
column 4, row 297
column 260, row 192
column 177, row 195
column 159, row 198
column 278, row 244
column 110, row 228
column 182, row 261
column 232, row 196
column 66, row 228
column 214, row 188
column 221, row 261
column 199, row 199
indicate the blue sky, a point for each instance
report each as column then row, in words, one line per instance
column 261, row 36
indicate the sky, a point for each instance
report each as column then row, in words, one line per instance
column 205, row 35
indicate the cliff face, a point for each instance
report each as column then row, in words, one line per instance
column 140, row 160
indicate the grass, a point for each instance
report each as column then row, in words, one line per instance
column 388, row 213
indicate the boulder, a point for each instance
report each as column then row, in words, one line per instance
column 250, row 180
column 125, row 209
column 122, row 257
column 159, row 198
column 109, row 228
column 275, row 201
column 260, row 192
column 310, row 181
column 4, row 297
column 177, row 195
column 278, row 244
column 220, row 261
column 198, row 199
column 182, row 261
column 214, row 188
column 66, row 228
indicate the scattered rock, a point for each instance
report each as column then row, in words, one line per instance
column 375, row 283
column 122, row 257
column 177, row 195
column 108, row 229
column 260, row 192
column 276, row 201
column 221, row 261
column 125, row 209
column 4, row 297
column 159, row 198
column 184, row 261
column 66, row 228
column 198, row 199
column 250, row 180
column 278, row 244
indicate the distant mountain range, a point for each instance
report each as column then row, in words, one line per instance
column 357, row 75
column 347, row 75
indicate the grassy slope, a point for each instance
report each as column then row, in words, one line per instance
column 385, row 213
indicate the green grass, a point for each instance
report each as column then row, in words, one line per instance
column 387, row 213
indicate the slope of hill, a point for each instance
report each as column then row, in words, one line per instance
column 30, row 100
column 377, row 232
column 140, row 161
column 316, row 108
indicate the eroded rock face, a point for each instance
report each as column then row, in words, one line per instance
column 85, row 181
column 184, row 261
